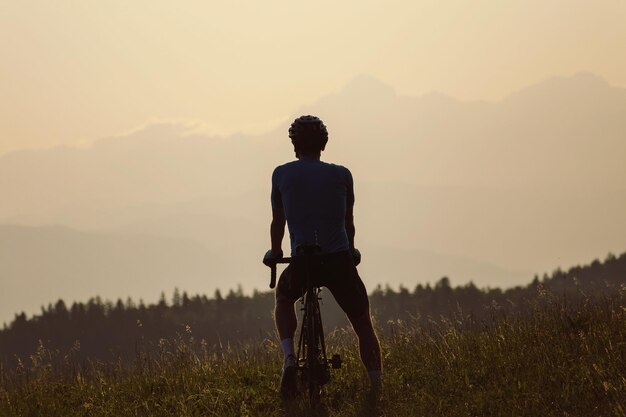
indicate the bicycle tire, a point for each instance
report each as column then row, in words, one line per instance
column 312, row 358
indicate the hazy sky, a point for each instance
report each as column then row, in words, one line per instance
column 75, row 71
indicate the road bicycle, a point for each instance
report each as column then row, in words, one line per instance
column 313, row 364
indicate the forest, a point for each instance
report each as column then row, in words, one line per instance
column 105, row 330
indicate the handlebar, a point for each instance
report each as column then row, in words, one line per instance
column 272, row 264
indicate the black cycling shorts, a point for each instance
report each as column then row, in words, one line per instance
column 335, row 271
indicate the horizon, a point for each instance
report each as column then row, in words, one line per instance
column 238, row 289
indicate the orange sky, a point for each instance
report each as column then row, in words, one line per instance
column 73, row 71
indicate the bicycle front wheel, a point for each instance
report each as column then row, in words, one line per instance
column 313, row 365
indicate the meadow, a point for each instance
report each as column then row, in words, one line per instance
column 559, row 360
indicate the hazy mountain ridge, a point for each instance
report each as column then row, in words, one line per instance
column 168, row 162
column 559, row 132
column 515, row 187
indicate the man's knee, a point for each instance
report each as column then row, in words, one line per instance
column 284, row 300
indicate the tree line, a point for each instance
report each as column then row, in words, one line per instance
column 103, row 330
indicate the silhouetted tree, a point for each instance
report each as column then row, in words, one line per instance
column 105, row 328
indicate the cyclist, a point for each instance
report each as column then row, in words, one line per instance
column 316, row 200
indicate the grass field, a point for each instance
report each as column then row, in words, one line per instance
column 554, row 362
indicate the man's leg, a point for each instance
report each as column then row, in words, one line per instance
column 286, row 323
column 369, row 347
column 349, row 291
column 284, row 311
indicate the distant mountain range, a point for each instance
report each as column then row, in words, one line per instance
column 564, row 132
column 488, row 191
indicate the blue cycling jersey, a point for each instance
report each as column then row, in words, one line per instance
column 315, row 196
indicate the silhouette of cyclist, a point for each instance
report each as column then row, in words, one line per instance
column 316, row 200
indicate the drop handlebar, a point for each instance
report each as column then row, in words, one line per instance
column 272, row 264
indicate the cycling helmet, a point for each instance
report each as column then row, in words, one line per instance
column 308, row 133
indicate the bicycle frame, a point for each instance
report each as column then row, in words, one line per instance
column 312, row 347
column 313, row 362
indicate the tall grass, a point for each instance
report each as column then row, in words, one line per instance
column 556, row 361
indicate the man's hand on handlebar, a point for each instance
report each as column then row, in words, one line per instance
column 356, row 256
column 270, row 257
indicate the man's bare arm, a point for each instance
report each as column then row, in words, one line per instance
column 277, row 231
column 350, row 230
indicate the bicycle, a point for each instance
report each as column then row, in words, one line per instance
column 313, row 363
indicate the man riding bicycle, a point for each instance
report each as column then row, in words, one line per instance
column 316, row 200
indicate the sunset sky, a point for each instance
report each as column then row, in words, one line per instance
column 76, row 71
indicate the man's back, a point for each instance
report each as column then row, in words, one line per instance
column 315, row 196
column 316, row 199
